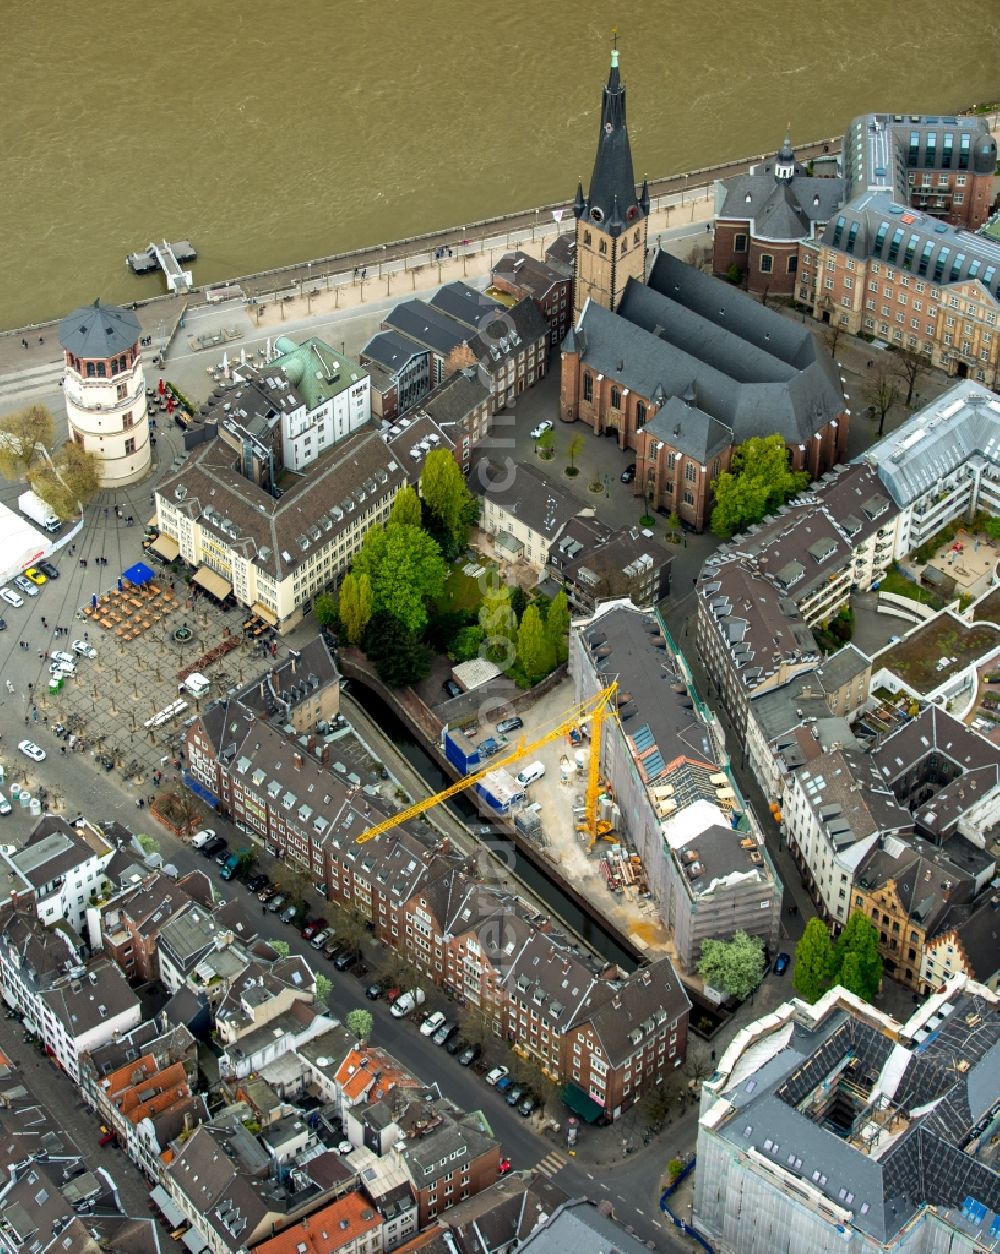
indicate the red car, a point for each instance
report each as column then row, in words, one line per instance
column 312, row 927
column 504, row 1166
column 107, row 1138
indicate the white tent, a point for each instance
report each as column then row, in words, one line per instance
column 20, row 542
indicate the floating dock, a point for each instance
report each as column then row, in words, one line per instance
column 168, row 258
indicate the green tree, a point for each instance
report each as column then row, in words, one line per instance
column 673, row 526
column 359, row 1024
column 557, row 627
column 859, row 941
column 534, row 651
column 406, row 570
column 67, row 482
column 148, row 844
column 734, row 967
column 405, row 510
column 544, row 444
column 674, row 1168
column 399, row 656
column 573, row 451
column 355, row 604
column 324, row 987
column 519, row 598
column 21, row 435
column 496, row 617
column 814, row 961
column 758, row 481
column 281, row 948
column 442, row 486
column 993, row 528
column 325, row 609
column 467, row 644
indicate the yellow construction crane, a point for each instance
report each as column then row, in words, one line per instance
column 592, row 710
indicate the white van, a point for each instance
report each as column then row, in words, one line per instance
column 534, row 770
column 202, row 838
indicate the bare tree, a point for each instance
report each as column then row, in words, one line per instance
column 833, row 328
column 908, row 364
column 882, row 391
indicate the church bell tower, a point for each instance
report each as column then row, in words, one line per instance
column 612, row 219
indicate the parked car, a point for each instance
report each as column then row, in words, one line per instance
column 25, row 586
column 504, row 1084
column 431, row 1024
column 345, row 1147
column 267, row 892
column 288, row 914
column 533, row 771
column 11, row 597
column 393, row 994
column 35, row 575
column 5, row 806
column 781, row 964
column 31, row 750
column 211, row 847
column 84, row 648
column 373, row 992
column 628, row 474
column 407, row 1003
column 331, row 947
column 494, row 1077
column 3, row 624
column 311, row 927
column 515, row 1094
column 200, row 839
column 276, row 904
column 451, row 688
column 256, row 882
column 455, row 1045
column 48, row 570
column 529, row 1105
column 62, row 668
column 469, row 1055
column 504, row 1166
column 59, row 656
column 507, row 725
column 444, row 1033
column 320, row 938
column 539, row 431
column 346, row 960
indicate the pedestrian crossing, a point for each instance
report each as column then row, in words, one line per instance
column 552, row 1164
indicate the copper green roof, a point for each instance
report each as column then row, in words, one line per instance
column 316, row 371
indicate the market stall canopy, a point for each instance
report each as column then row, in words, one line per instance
column 139, row 574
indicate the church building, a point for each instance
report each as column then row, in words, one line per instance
column 680, row 366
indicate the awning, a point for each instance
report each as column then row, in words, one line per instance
column 167, row 1207
column 214, row 584
column 263, row 612
column 166, row 547
column 139, row 575
column 580, row 1103
column 194, row 1241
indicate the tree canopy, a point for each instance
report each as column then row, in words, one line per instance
column 21, row 433
column 359, row 1023
column 398, row 654
column 496, row 617
column 534, row 651
column 325, row 609
column 557, row 627
column 734, row 967
column 355, row 604
column 443, row 488
column 405, row 509
column 758, row 481
column 853, row 961
column 406, row 569
column 814, row 962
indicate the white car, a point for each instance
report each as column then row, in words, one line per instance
column 63, row 668
column 31, row 750
column 84, row 648
column 5, row 806
column 494, row 1077
column 539, row 431
column 345, row 1147
column 202, row 837
column 533, row 771
column 60, row 656
column 11, row 597
column 431, row 1024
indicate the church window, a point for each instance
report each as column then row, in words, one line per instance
column 793, row 264
column 635, row 239
column 690, row 473
column 740, row 244
column 586, row 238
column 91, row 370
column 616, row 397
column 640, row 413
column 604, row 247
column 588, row 387
column 688, row 498
column 766, row 263
column 624, row 245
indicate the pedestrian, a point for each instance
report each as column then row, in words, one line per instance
column 869, row 365
column 24, row 343
column 44, row 624
column 26, row 720
column 41, row 339
column 105, row 513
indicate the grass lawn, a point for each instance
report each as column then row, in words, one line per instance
column 461, row 591
column 895, row 581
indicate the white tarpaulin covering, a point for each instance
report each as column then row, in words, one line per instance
column 21, row 544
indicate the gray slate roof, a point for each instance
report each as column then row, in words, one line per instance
column 879, row 149
column 428, row 325
column 752, row 369
column 779, row 209
column 611, row 200
column 960, row 424
column 880, row 225
column 99, row 331
column 392, row 349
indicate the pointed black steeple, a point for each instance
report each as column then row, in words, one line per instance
column 579, row 205
column 613, row 177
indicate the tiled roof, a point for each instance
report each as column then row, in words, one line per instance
column 339, row 1225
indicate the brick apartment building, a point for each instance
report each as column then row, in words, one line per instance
column 520, row 276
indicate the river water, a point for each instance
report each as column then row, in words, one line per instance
column 267, row 134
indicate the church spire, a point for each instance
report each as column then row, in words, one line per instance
column 613, row 176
